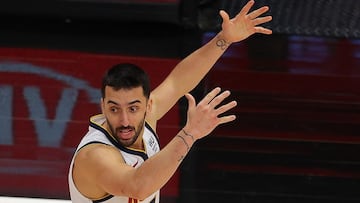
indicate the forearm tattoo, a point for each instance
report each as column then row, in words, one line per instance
column 186, row 144
column 222, row 43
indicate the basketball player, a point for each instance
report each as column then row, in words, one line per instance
column 119, row 160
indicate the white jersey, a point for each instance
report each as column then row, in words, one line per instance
column 132, row 157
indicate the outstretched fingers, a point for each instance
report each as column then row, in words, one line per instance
column 218, row 99
column 262, row 20
column 258, row 12
column 220, row 109
column 210, row 96
column 226, row 119
column 263, row 30
column 256, row 20
column 245, row 10
column 224, row 108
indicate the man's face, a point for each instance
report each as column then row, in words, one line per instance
column 125, row 111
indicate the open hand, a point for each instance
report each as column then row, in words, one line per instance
column 205, row 116
column 244, row 23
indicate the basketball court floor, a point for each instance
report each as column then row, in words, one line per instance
column 30, row 200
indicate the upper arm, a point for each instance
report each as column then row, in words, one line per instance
column 101, row 170
column 164, row 97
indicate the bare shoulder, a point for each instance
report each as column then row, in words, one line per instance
column 96, row 153
column 90, row 162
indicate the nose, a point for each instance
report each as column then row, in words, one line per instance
column 124, row 119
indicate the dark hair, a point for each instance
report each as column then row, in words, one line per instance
column 127, row 76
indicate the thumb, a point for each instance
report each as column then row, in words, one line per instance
column 225, row 16
column 191, row 100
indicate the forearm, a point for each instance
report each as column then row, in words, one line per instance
column 158, row 169
column 195, row 66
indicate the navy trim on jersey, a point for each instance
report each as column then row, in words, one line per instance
column 153, row 132
column 143, row 155
column 103, row 199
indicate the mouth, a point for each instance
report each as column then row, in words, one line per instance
column 125, row 133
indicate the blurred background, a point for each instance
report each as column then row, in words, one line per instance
column 297, row 133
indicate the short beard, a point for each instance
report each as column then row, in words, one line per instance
column 130, row 142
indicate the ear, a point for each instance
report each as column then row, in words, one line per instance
column 149, row 105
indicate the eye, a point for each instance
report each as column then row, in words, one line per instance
column 133, row 109
column 113, row 109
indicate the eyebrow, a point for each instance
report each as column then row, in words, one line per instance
column 130, row 103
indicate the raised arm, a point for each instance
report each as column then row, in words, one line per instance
column 115, row 177
column 189, row 72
